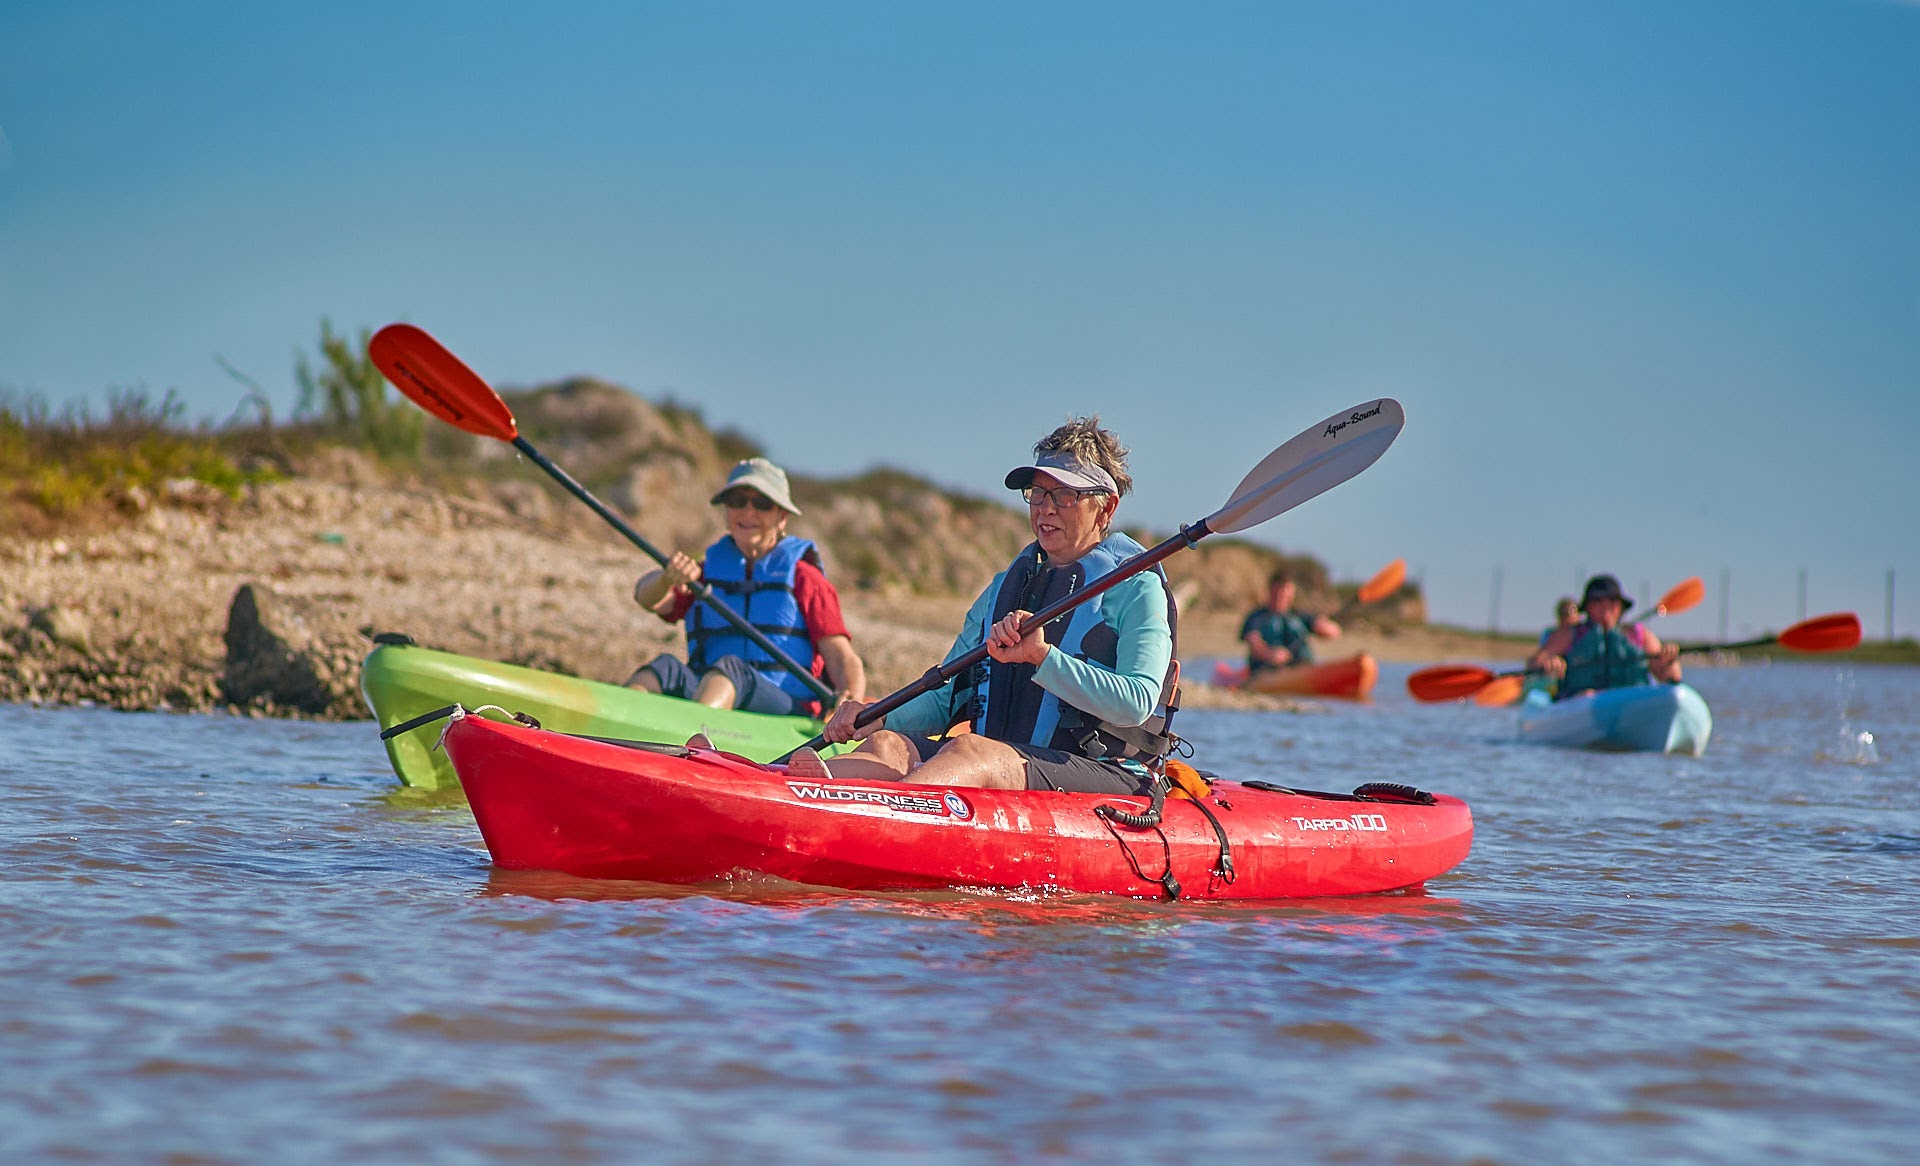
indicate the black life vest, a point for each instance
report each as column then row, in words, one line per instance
column 1009, row 706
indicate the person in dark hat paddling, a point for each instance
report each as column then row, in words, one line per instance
column 1600, row 653
column 775, row 581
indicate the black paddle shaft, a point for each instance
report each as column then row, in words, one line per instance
column 1762, row 642
column 700, row 589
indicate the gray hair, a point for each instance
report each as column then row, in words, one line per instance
column 1086, row 441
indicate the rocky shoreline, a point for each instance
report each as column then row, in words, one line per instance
column 265, row 605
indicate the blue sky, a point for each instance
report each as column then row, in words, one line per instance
column 1646, row 276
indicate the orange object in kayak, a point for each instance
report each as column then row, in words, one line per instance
column 1351, row 678
column 598, row 809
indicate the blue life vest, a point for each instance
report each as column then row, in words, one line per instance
column 1601, row 659
column 763, row 593
column 1011, row 707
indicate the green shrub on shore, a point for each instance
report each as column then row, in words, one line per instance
column 347, row 394
column 62, row 464
column 57, row 491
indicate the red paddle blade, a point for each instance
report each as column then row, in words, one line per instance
column 1503, row 691
column 435, row 380
column 1823, row 633
column 1384, row 584
column 1448, row 682
column 1686, row 595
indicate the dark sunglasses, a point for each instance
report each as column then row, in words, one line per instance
column 1063, row 497
column 741, row 499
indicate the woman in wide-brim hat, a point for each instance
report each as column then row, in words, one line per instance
column 772, row 579
column 1601, row 653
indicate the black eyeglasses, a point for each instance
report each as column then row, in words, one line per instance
column 1063, row 497
column 741, row 499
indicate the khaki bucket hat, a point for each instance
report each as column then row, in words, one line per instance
column 764, row 476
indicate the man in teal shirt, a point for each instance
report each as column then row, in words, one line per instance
column 1276, row 635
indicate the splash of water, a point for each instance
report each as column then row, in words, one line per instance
column 1856, row 746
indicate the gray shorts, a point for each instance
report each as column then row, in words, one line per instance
column 1056, row 769
column 751, row 691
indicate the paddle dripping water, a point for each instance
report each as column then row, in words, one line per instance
column 230, row 941
column 1856, row 745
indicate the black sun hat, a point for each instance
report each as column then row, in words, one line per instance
column 1604, row 587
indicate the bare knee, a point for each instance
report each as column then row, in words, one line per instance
column 885, row 756
column 891, row 748
column 974, row 760
column 969, row 747
column 715, row 691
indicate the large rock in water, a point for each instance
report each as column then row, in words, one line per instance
column 277, row 663
column 63, row 625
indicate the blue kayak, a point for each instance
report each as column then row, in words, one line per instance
column 1646, row 718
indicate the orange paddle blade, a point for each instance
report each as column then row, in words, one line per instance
column 1686, row 595
column 1823, row 633
column 435, row 380
column 1384, row 584
column 1448, row 682
column 1502, row 691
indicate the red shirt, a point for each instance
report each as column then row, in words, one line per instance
column 819, row 607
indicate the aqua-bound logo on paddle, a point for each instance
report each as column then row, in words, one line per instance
column 1354, row 418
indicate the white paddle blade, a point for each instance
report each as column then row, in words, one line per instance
column 1311, row 464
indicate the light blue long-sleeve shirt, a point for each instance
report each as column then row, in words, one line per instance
column 1125, row 694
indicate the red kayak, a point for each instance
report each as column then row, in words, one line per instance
column 599, row 809
column 1352, row 678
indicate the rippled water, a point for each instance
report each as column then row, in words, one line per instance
column 229, row 941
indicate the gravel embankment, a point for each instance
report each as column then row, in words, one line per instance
column 135, row 616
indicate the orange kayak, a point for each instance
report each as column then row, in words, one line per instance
column 1351, row 678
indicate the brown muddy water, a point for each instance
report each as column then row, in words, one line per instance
column 227, row 940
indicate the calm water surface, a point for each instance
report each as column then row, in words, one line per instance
column 229, row 941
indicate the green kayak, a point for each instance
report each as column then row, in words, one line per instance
column 401, row 681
